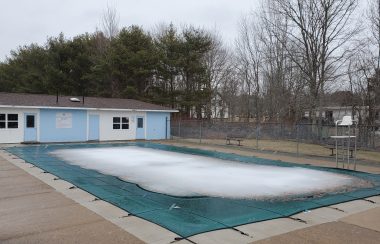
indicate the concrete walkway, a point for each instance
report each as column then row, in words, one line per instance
column 359, row 228
column 33, row 212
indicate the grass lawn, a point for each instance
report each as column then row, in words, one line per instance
column 291, row 147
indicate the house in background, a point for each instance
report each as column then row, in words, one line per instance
column 333, row 113
column 47, row 118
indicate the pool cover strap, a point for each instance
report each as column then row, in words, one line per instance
column 186, row 216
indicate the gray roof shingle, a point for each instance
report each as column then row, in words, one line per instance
column 42, row 100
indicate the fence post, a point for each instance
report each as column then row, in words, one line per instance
column 257, row 136
column 179, row 128
column 373, row 137
column 298, row 140
column 200, row 131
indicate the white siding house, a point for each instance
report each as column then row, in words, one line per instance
column 334, row 113
column 46, row 118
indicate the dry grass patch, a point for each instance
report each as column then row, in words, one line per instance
column 289, row 147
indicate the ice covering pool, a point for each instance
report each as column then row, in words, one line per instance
column 179, row 174
column 174, row 187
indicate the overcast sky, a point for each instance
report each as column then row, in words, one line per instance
column 23, row 22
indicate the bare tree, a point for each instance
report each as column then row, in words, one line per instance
column 374, row 45
column 320, row 30
column 110, row 22
column 248, row 58
column 229, row 92
column 360, row 73
column 219, row 71
column 281, row 81
column 374, row 23
column 271, row 82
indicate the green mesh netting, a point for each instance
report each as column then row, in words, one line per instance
column 195, row 214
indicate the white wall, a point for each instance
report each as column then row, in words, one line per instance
column 17, row 135
column 338, row 114
column 106, row 131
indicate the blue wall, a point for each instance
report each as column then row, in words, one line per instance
column 93, row 130
column 49, row 132
column 156, row 125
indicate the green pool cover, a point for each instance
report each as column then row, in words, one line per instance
column 195, row 214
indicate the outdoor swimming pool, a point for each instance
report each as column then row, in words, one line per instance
column 186, row 175
column 190, row 191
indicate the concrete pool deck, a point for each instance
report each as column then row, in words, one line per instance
column 34, row 212
column 48, row 210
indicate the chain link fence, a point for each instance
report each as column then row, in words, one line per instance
column 307, row 139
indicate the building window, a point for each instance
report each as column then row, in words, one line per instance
column 120, row 123
column 30, row 121
column 8, row 121
column 329, row 117
column 13, row 121
column 140, row 123
column 2, row 121
column 116, row 123
column 125, row 123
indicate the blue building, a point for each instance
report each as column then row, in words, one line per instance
column 47, row 118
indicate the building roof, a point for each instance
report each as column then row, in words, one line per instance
column 50, row 101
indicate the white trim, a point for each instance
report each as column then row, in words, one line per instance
column 93, row 109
